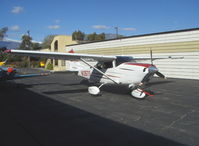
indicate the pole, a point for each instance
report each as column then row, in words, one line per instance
column 116, row 29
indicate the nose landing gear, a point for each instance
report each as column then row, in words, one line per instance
column 141, row 94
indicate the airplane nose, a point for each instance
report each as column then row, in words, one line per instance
column 152, row 69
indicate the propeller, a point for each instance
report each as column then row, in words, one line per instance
column 159, row 74
column 151, row 55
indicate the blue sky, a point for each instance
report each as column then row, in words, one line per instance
column 132, row 17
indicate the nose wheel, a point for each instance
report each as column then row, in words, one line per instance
column 141, row 94
column 138, row 93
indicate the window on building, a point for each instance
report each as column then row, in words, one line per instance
column 63, row 63
column 56, row 46
column 56, row 62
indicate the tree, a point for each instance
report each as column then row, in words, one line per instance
column 96, row 37
column 92, row 37
column 26, row 43
column 36, row 46
column 3, row 32
column 78, row 35
column 47, row 41
column 100, row 37
column 81, row 37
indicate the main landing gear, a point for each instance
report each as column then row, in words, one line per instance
column 94, row 90
column 136, row 93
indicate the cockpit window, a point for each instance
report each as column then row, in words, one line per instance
column 104, row 65
column 122, row 59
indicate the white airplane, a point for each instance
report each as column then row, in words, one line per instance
column 118, row 70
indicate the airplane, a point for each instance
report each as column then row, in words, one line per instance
column 109, row 69
column 9, row 73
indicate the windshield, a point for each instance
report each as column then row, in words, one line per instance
column 122, row 59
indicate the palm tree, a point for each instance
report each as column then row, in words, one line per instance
column 26, row 43
column 3, row 32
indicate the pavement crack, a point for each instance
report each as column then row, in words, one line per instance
column 171, row 125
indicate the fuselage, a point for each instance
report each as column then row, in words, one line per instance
column 125, row 73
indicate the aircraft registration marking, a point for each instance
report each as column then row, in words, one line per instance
column 85, row 73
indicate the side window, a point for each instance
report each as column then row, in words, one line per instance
column 56, row 46
column 104, row 65
column 108, row 64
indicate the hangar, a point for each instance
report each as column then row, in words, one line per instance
column 172, row 43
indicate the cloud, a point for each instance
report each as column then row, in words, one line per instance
column 54, row 27
column 17, row 9
column 15, row 28
column 100, row 27
column 128, row 29
column 57, row 21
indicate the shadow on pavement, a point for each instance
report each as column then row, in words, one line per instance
column 66, row 91
column 31, row 119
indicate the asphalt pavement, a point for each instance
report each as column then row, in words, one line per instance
column 57, row 110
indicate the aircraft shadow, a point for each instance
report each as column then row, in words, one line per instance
column 67, row 91
column 154, row 83
column 28, row 118
column 120, row 89
column 116, row 89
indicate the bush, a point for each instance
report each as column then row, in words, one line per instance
column 49, row 66
column 34, row 64
column 24, row 64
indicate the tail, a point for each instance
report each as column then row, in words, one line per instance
column 3, row 62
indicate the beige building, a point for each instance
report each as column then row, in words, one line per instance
column 58, row 45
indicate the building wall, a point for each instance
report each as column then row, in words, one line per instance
column 178, row 43
column 62, row 41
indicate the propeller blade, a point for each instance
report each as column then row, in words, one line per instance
column 151, row 55
column 160, row 75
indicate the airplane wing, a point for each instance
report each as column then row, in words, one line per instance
column 77, row 56
column 61, row 56
column 157, row 58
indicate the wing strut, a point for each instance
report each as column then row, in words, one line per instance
column 98, row 70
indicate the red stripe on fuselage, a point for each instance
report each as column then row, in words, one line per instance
column 140, row 64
